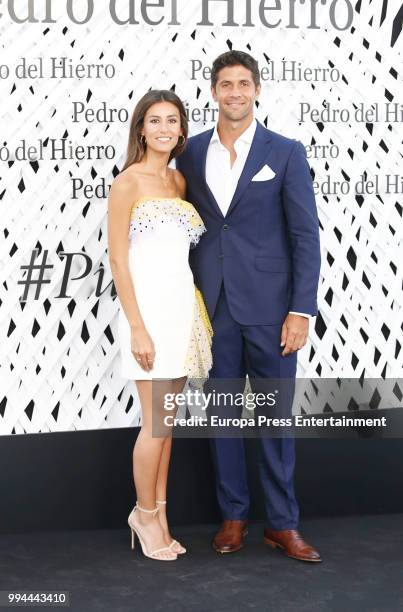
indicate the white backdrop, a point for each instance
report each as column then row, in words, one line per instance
column 59, row 355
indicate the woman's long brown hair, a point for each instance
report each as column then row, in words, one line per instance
column 135, row 148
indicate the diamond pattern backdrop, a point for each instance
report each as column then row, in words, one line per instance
column 59, row 355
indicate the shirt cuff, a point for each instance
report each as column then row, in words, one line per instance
column 301, row 314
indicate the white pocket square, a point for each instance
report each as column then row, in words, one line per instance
column 265, row 174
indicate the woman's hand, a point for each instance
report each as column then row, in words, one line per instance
column 142, row 347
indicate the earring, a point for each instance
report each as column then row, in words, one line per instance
column 143, row 140
column 183, row 141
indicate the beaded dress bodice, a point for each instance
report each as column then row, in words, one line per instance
column 155, row 213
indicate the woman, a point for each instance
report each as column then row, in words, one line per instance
column 164, row 332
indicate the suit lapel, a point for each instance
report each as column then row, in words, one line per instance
column 200, row 164
column 254, row 162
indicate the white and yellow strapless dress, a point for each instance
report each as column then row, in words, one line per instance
column 161, row 232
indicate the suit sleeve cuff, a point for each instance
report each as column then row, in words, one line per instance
column 301, row 314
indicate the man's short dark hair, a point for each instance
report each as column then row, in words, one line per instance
column 235, row 58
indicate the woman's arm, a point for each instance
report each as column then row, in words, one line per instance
column 119, row 210
column 121, row 197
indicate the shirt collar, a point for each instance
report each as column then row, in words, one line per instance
column 246, row 136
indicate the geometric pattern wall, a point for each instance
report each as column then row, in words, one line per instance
column 59, row 353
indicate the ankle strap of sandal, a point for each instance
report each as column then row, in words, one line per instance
column 153, row 511
column 158, row 501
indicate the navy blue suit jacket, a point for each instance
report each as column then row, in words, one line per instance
column 266, row 248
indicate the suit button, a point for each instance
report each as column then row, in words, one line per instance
column 225, row 227
column 221, row 257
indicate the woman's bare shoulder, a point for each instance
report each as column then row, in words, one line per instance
column 126, row 186
column 127, row 178
column 180, row 182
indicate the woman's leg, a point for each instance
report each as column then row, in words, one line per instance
column 146, row 460
column 161, row 487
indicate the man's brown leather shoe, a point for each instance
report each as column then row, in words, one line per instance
column 230, row 536
column 293, row 544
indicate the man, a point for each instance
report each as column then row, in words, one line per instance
column 258, row 269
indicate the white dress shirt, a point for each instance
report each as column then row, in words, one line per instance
column 220, row 177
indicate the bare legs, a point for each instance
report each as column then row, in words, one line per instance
column 161, row 488
column 151, row 457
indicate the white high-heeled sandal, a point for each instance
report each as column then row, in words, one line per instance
column 135, row 532
column 180, row 550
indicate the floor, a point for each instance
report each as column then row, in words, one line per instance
column 362, row 570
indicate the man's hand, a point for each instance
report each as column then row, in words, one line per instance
column 294, row 333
